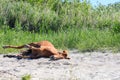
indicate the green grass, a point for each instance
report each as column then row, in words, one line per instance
column 66, row 24
column 26, row 77
column 83, row 40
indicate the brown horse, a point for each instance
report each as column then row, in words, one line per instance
column 37, row 50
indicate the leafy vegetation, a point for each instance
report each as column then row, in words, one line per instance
column 26, row 77
column 67, row 24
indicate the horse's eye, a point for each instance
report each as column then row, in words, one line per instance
column 37, row 46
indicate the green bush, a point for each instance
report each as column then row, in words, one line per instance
column 43, row 15
column 55, row 15
column 116, row 27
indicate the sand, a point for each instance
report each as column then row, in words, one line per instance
column 81, row 66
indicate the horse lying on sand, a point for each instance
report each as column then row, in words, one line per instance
column 39, row 49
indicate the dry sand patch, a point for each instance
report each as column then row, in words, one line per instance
column 87, row 66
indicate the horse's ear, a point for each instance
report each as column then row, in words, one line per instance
column 65, row 51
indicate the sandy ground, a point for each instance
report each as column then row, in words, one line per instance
column 87, row 66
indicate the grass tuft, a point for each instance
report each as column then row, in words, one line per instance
column 26, row 77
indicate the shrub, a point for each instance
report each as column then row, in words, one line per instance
column 116, row 27
column 55, row 15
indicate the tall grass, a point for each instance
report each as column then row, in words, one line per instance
column 66, row 24
column 84, row 40
column 45, row 15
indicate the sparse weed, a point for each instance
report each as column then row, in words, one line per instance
column 26, row 77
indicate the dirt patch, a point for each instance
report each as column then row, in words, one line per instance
column 87, row 66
